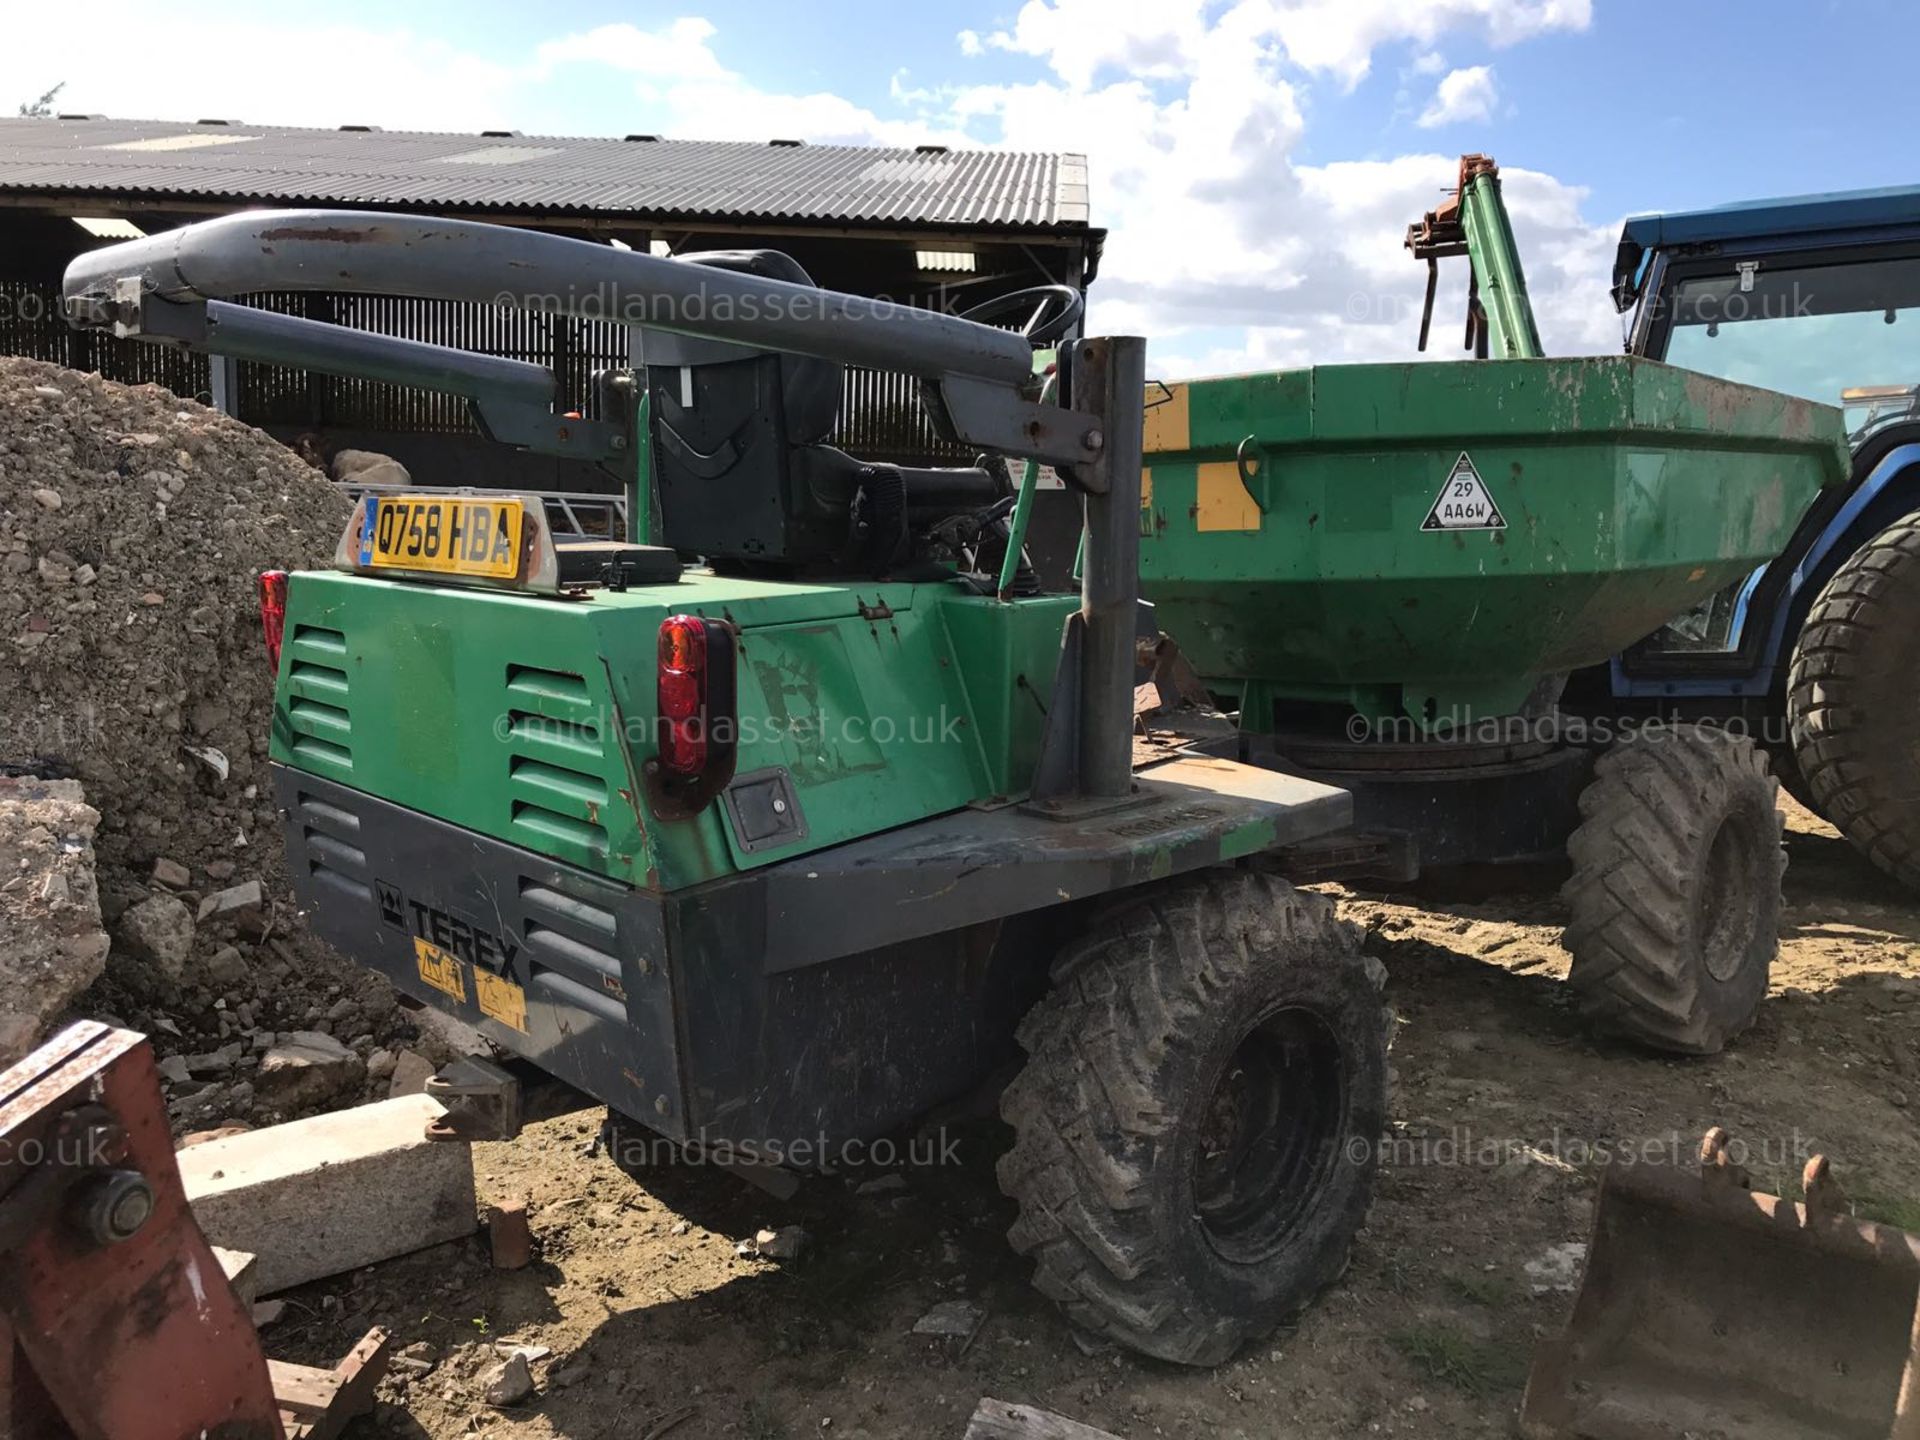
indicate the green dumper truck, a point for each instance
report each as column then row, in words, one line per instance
column 807, row 812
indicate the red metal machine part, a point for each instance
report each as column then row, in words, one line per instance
column 116, row 1320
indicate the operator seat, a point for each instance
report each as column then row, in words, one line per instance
column 745, row 476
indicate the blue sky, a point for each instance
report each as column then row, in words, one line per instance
column 1256, row 160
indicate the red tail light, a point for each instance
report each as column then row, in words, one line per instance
column 683, row 695
column 696, row 697
column 273, row 611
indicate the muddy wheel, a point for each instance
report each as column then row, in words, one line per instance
column 1196, row 1123
column 1675, row 891
column 1850, row 701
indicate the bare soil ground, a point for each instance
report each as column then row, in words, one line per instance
column 1504, row 1112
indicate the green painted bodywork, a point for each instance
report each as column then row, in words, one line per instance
column 530, row 718
column 1499, row 277
column 1630, row 491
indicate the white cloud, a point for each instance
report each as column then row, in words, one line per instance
column 676, row 68
column 234, row 65
column 729, row 108
column 1461, row 95
column 677, row 51
column 1224, row 248
column 970, row 43
column 1081, row 40
column 1339, row 37
column 1148, row 39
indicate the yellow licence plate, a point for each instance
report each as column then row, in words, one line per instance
column 446, row 534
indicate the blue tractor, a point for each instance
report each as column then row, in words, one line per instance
column 1818, row 652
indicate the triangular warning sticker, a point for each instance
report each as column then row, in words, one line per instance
column 1464, row 502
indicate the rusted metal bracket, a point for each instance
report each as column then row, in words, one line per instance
column 115, row 1317
column 482, row 1101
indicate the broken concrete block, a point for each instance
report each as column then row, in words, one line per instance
column 411, row 1071
column 225, row 970
column 171, row 874
column 244, row 906
column 329, row 1194
column 509, row 1383
column 953, row 1319
column 159, row 929
column 419, row 1358
column 214, row 1063
column 306, row 1068
column 242, row 1270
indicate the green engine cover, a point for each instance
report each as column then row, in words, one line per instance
column 531, row 719
column 1432, row 539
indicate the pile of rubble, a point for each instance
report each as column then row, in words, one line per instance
column 51, row 943
column 133, row 525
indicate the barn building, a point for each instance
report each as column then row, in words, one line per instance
column 929, row 226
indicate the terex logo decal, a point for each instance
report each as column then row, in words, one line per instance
column 480, row 948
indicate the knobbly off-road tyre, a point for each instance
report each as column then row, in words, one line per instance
column 1197, row 1123
column 1675, row 892
column 1852, row 707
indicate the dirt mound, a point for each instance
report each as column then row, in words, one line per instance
column 133, row 525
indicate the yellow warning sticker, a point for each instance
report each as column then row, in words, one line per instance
column 501, row 1000
column 439, row 969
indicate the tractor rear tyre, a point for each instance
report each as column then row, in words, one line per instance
column 1675, row 890
column 1197, row 1124
column 1851, row 707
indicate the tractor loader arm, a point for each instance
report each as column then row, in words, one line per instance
column 1475, row 223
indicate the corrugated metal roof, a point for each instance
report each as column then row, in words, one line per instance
column 643, row 178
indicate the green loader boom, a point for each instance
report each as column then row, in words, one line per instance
column 1475, row 223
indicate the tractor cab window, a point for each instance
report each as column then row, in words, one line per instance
column 1818, row 330
column 1844, row 330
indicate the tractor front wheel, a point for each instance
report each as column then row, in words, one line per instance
column 1196, row 1126
column 1850, row 701
column 1675, row 893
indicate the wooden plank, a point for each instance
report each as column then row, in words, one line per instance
column 999, row 1420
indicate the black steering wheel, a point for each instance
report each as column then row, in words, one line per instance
column 1050, row 311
